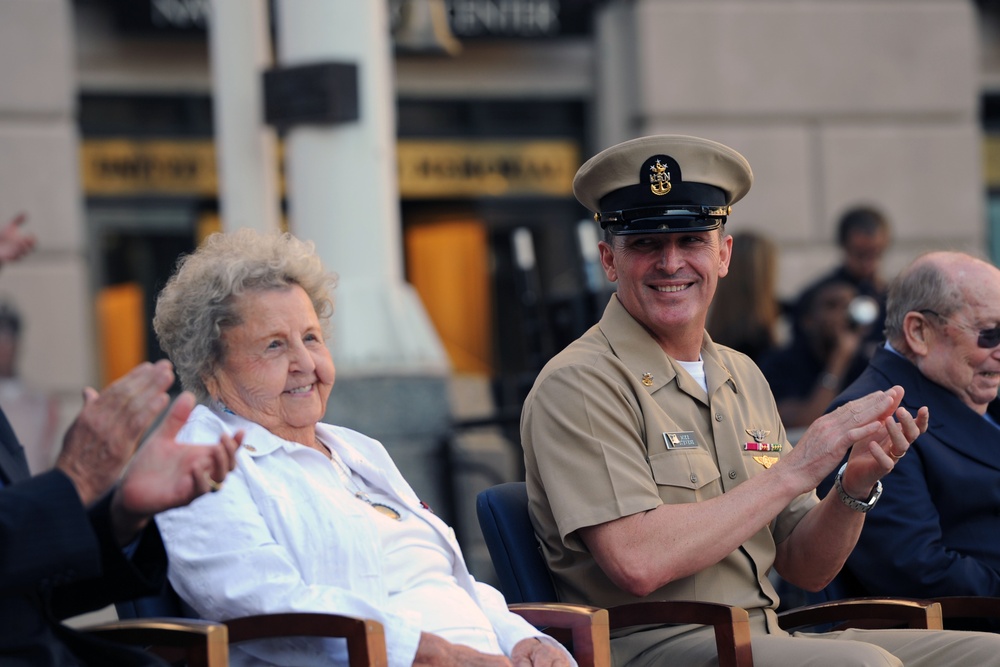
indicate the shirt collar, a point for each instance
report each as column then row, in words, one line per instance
column 643, row 356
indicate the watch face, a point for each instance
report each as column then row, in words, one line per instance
column 850, row 501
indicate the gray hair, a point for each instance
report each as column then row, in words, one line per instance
column 199, row 301
column 922, row 286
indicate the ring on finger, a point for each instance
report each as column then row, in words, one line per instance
column 213, row 486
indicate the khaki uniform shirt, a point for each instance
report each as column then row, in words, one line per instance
column 613, row 426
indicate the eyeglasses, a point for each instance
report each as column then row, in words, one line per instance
column 988, row 338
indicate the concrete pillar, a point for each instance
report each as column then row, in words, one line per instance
column 343, row 195
column 246, row 149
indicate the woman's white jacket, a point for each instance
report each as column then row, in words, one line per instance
column 274, row 540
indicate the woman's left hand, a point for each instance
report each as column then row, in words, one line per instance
column 534, row 653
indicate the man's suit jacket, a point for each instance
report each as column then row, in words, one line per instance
column 58, row 559
column 936, row 529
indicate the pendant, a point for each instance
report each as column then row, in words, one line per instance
column 381, row 508
column 386, row 510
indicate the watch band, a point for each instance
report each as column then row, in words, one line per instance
column 857, row 505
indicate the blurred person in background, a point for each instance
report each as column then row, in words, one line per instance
column 824, row 356
column 33, row 414
column 745, row 313
column 863, row 234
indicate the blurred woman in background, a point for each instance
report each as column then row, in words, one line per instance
column 745, row 313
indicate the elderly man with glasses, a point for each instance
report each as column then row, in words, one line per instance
column 937, row 532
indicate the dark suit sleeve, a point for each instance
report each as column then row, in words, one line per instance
column 901, row 550
column 121, row 577
column 52, row 546
column 46, row 537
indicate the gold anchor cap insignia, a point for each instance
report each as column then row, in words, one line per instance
column 647, row 379
column 659, row 179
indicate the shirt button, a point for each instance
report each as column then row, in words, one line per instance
column 694, row 479
column 732, row 474
column 718, row 416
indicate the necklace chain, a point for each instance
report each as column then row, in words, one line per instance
column 347, row 477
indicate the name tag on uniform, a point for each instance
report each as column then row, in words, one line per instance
column 680, row 440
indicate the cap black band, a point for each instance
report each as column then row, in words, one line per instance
column 635, row 214
column 663, row 219
column 636, row 209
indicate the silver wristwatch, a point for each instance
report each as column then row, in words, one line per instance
column 855, row 504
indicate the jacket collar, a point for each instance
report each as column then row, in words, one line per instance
column 373, row 463
column 952, row 422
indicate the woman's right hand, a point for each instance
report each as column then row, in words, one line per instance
column 434, row 651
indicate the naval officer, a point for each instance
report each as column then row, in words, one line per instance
column 657, row 465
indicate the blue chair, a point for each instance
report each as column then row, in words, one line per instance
column 524, row 577
column 510, row 538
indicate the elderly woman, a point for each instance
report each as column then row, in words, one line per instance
column 315, row 517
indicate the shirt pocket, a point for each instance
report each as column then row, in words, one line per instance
column 685, row 475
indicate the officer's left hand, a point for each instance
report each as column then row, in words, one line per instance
column 873, row 458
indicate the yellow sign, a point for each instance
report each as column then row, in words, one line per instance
column 461, row 169
column 991, row 161
column 160, row 167
column 448, row 169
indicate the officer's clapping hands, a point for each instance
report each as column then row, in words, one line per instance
column 875, row 429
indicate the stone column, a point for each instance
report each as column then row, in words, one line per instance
column 246, row 149
column 343, row 195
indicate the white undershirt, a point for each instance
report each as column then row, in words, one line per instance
column 696, row 369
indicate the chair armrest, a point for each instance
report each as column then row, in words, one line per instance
column 969, row 606
column 866, row 613
column 365, row 637
column 587, row 628
column 970, row 612
column 731, row 624
column 198, row 643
